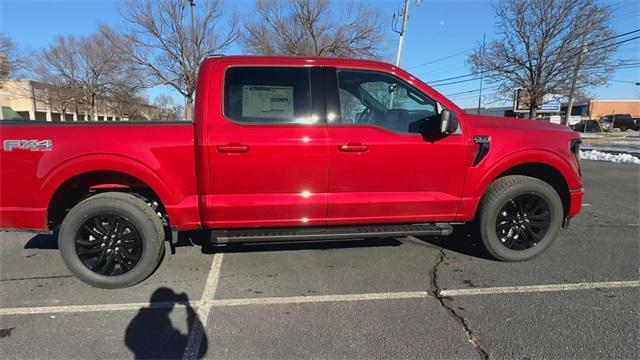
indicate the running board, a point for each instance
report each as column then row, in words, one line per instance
column 328, row 233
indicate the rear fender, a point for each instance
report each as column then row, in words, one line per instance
column 102, row 162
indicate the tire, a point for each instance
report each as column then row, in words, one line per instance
column 497, row 217
column 134, row 240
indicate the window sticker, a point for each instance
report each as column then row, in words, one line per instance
column 270, row 102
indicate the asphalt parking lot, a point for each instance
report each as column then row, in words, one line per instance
column 386, row 298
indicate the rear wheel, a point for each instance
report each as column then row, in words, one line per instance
column 112, row 240
column 519, row 217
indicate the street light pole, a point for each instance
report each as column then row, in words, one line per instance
column 192, row 4
column 188, row 108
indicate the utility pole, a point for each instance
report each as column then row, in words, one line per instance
column 576, row 72
column 481, row 72
column 403, row 28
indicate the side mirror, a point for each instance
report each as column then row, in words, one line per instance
column 448, row 122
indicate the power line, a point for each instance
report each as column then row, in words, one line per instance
column 473, row 91
column 616, row 43
column 484, row 71
column 595, row 68
column 497, row 86
column 455, row 77
column 624, row 81
column 442, row 58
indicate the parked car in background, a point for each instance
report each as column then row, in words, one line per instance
column 636, row 123
column 587, row 126
column 617, row 121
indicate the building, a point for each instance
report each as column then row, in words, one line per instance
column 33, row 100
column 599, row 108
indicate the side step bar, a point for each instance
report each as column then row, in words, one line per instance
column 327, row 233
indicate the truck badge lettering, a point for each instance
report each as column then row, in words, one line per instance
column 33, row 145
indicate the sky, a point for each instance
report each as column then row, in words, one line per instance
column 436, row 29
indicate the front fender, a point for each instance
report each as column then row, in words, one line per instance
column 480, row 178
column 544, row 157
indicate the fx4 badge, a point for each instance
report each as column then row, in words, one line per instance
column 33, row 145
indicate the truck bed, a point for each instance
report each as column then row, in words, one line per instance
column 38, row 157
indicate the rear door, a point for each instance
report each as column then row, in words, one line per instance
column 389, row 161
column 268, row 150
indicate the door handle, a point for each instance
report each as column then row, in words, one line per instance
column 233, row 148
column 353, row 147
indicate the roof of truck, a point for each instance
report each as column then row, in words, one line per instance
column 298, row 59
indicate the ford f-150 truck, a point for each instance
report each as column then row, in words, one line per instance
column 288, row 148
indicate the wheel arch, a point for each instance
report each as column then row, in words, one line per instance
column 546, row 173
column 541, row 164
column 80, row 177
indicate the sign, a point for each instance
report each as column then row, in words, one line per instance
column 550, row 102
column 267, row 102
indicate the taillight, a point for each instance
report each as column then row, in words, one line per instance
column 575, row 153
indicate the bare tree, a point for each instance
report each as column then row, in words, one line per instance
column 90, row 65
column 59, row 98
column 166, row 109
column 122, row 104
column 161, row 40
column 11, row 61
column 539, row 43
column 308, row 27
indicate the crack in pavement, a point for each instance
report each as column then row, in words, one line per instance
column 444, row 302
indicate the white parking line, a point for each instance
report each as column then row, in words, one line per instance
column 204, row 306
column 196, row 333
column 321, row 298
column 540, row 288
column 90, row 308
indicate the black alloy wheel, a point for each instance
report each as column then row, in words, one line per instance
column 519, row 217
column 112, row 240
column 523, row 222
column 108, row 244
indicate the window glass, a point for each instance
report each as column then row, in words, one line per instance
column 374, row 98
column 268, row 95
column 350, row 106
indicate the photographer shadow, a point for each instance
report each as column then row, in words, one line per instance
column 151, row 334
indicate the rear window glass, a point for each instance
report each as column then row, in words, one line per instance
column 268, row 95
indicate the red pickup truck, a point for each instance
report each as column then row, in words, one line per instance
column 288, row 148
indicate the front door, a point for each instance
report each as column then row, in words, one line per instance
column 389, row 162
column 268, row 150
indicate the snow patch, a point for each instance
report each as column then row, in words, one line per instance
column 602, row 156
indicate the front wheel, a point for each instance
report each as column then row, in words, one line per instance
column 112, row 240
column 519, row 217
